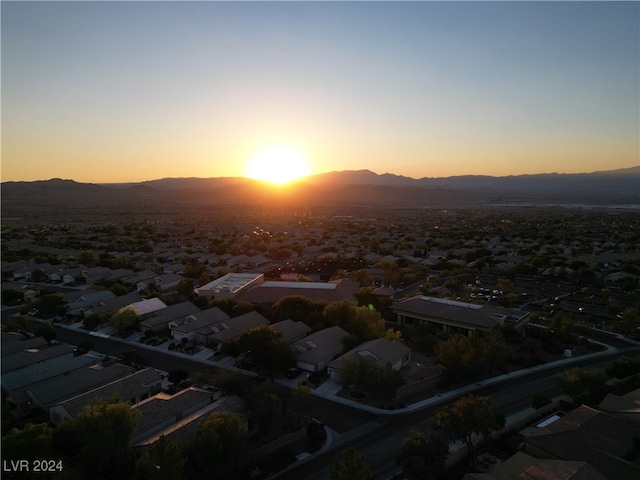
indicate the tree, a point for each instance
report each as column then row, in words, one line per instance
column 104, row 429
column 264, row 346
column 349, row 465
column 339, row 313
column 163, row 460
column 460, row 356
column 242, row 307
column 495, row 348
column 220, row 440
column 124, row 319
column 12, row 296
column 422, row 456
column 629, row 322
column 47, row 331
column 31, row 442
column 301, row 400
column 185, row 288
column 177, row 375
column 296, row 307
column 53, row 304
column 470, row 416
column 576, row 382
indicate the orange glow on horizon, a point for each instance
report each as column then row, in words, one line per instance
column 278, row 164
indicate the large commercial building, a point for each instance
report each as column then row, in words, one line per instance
column 458, row 317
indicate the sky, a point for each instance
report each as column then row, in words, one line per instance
column 130, row 91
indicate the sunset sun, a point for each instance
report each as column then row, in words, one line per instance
column 277, row 164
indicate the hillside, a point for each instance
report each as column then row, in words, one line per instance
column 361, row 187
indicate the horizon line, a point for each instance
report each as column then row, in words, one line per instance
column 301, row 179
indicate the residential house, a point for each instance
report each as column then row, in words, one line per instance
column 167, row 281
column 197, row 325
column 233, row 328
column 381, row 351
column 88, row 300
column 36, row 385
column 607, row 443
column 95, row 275
column 164, row 410
column 141, row 280
column 525, row 467
column 626, row 407
column 291, row 331
column 14, row 342
column 182, row 427
column 34, row 354
column 160, row 318
column 147, row 307
column 132, row 388
column 106, row 308
column 314, row 352
column 458, row 317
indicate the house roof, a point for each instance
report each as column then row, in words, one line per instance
column 291, row 330
column 113, row 304
column 585, row 434
column 525, row 467
column 14, row 342
column 321, row 346
column 379, row 350
column 233, row 327
column 172, row 312
column 128, row 387
column 38, row 372
column 147, row 306
column 162, row 409
column 460, row 313
column 55, row 390
column 198, row 320
column 33, row 355
column 186, row 428
column 272, row 291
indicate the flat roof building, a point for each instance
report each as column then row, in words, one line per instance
column 229, row 285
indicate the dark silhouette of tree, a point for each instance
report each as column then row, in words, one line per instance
column 301, row 401
column 460, row 356
column 177, row 375
column 163, row 460
column 104, row 429
column 296, row 307
column 34, row 441
column 422, row 456
column 467, row 418
column 576, row 382
column 220, row 441
column 264, row 346
column 53, row 304
column 12, row 296
column 349, row 465
column 47, row 331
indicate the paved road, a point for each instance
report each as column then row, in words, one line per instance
column 377, row 437
column 380, row 439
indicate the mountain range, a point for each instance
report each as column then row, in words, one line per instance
column 352, row 187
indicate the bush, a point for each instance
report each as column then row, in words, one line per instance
column 540, row 401
column 172, row 346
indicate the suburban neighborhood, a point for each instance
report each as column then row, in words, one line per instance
column 381, row 310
